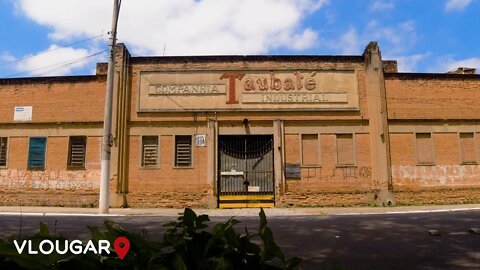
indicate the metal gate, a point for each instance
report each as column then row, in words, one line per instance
column 245, row 171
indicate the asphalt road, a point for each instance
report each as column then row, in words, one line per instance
column 376, row 241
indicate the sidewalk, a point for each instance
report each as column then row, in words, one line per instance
column 321, row 211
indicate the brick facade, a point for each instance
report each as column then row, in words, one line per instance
column 336, row 150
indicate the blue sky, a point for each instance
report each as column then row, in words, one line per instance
column 434, row 36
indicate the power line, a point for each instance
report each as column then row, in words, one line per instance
column 50, row 50
column 63, row 64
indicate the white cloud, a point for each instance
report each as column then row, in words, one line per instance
column 58, row 61
column 381, row 5
column 6, row 57
column 349, row 43
column 396, row 39
column 408, row 63
column 185, row 27
column 393, row 39
column 448, row 63
column 456, row 5
column 300, row 41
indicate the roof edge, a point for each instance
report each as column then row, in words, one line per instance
column 439, row 76
column 52, row 79
column 249, row 58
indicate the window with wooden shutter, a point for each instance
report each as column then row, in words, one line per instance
column 149, row 151
column 183, row 151
column 76, row 152
column 467, row 148
column 36, row 153
column 424, row 149
column 345, row 150
column 3, row 151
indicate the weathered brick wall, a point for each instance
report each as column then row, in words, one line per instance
column 65, row 99
column 329, row 184
column 447, row 170
column 167, row 186
column 433, row 97
column 437, row 195
column 55, row 185
column 448, row 104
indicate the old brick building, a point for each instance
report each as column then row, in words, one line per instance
column 243, row 131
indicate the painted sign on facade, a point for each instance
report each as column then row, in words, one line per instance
column 252, row 90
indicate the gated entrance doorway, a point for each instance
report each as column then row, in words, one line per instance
column 245, row 171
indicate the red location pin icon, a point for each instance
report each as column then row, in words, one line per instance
column 121, row 246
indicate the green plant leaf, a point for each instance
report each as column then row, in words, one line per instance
column 263, row 220
column 178, row 263
column 219, row 264
column 293, row 263
column 189, row 218
column 270, row 248
column 43, row 229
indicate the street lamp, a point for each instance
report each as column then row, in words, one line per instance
column 103, row 203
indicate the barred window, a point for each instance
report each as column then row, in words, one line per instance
column 36, row 153
column 77, row 152
column 183, row 151
column 3, row 151
column 149, row 151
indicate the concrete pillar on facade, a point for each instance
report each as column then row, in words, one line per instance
column 278, row 156
column 378, row 127
column 120, row 129
column 212, row 139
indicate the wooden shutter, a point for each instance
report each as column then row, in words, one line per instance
column 76, row 155
column 183, row 151
column 3, row 151
column 149, row 150
column 36, row 153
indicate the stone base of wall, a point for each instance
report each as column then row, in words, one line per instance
column 463, row 195
column 167, row 200
column 467, row 195
column 324, row 199
column 49, row 198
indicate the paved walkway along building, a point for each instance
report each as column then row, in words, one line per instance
column 244, row 131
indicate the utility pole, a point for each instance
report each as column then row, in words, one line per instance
column 103, row 203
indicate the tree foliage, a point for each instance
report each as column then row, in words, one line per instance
column 187, row 243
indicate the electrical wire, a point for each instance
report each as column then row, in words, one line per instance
column 50, row 50
column 63, row 64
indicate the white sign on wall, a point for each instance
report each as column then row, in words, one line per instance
column 23, row 113
column 201, row 140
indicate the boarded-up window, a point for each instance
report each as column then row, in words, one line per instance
column 3, row 151
column 149, row 151
column 424, row 145
column 183, row 151
column 467, row 148
column 76, row 152
column 36, row 153
column 345, row 150
column 310, row 149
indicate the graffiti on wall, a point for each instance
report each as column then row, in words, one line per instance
column 50, row 179
column 345, row 173
column 434, row 175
